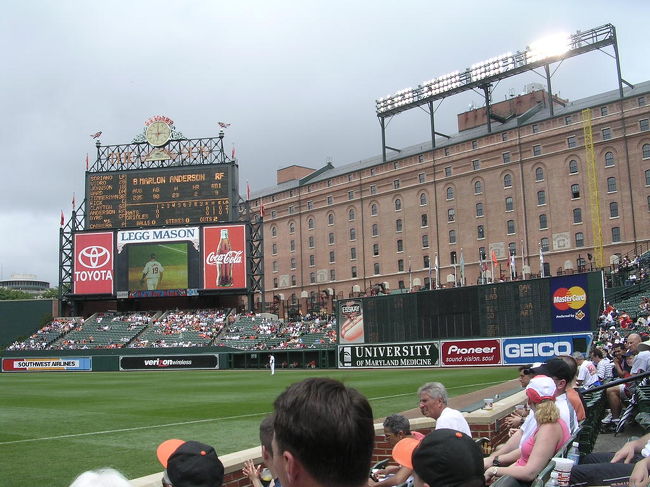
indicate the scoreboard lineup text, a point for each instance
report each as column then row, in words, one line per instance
column 157, row 197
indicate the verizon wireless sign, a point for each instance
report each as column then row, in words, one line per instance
column 166, row 362
column 470, row 352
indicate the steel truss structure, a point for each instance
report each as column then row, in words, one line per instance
column 139, row 155
column 482, row 75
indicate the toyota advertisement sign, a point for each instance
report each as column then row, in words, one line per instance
column 526, row 350
column 470, row 352
column 93, row 263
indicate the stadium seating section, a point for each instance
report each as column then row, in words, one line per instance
column 188, row 328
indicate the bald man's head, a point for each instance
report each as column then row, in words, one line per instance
column 633, row 341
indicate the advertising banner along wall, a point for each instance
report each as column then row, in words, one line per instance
column 93, row 263
column 351, row 319
column 526, row 350
column 161, row 362
column 67, row 364
column 471, row 352
column 570, row 306
column 423, row 354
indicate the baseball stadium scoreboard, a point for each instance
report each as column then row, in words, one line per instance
column 160, row 219
column 158, row 197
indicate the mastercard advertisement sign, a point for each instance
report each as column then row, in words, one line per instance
column 569, row 303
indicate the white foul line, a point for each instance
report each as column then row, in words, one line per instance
column 137, row 428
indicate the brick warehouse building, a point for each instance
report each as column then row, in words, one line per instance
column 345, row 230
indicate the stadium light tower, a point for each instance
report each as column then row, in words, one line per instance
column 483, row 74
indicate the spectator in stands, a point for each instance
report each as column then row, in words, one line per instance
column 603, row 364
column 587, row 373
column 562, row 374
column 433, row 404
column 189, row 464
column 324, row 435
column 616, row 396
column 607, row 468
column 516, row 419
column 572, row 395
column 103, row 477
column 266, row 439
column 443, row 458
column 547, row 439
column 396, row 428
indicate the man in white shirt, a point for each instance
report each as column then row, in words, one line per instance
column 587, row 373
column 433, row 404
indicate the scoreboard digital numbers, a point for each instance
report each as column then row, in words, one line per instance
column 158, row 197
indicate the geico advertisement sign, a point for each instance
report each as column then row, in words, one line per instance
column 525, row 350
column 471, row 352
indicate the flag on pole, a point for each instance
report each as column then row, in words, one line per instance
column 494, row 258
column 430, row 278
column 62, row 218
column 97, row 135
column 437, row 268
column 410, row 276
column 541, row 261
column 513, row 266
column 261, row 209
column 462, row 268
column 87, row 163
column 248, row 192
column 232, row 155
column 223, row 125
column 73, row 201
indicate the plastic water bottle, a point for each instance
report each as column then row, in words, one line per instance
column 574, row 453
column 552, row 481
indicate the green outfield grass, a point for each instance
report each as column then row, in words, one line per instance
column 54, row 426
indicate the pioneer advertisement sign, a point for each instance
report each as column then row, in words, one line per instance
column 471, row 352
column 388, row 355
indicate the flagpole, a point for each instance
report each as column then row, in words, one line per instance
column 437, row 272
column 410, row 276
column 523, row 275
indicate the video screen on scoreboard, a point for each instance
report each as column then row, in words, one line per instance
column 157, row 260
column 157, row 266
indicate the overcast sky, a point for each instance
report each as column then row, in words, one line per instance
column 296, row 79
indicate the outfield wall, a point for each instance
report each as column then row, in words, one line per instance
column 20, row 318
column 436, row 353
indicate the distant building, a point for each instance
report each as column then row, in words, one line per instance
column 25, row 282
column 523, row 186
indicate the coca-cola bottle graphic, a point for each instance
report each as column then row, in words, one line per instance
column 224, row 264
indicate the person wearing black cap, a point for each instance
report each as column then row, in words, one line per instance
column 445, row 457
column 562, row 374
column 190, row 464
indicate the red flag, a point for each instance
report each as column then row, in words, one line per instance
column 233, row 151
column 96, row 135
column 86, row 161
column 262, row 209
column 248, row 192
column 62, row 218
column 223, row 125
column 494, row 258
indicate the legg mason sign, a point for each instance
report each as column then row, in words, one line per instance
column 420, row 354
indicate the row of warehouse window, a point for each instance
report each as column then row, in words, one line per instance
column 579, row 240
column 609, row 161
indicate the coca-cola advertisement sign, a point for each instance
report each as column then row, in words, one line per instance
column 471, row 352
column 93, row 263
column 224, row 257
